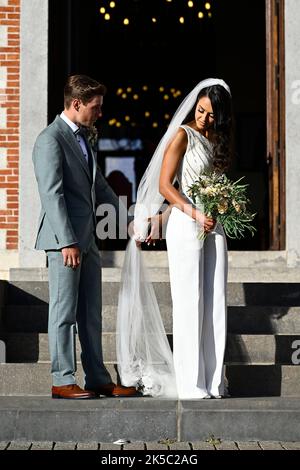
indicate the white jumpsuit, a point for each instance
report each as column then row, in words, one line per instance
column 198, row 277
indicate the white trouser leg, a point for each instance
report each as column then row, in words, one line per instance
column 186, row 266
column 215, row 310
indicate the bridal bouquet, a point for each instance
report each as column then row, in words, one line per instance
column 225, row 201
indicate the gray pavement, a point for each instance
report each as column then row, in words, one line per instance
column 168, row 445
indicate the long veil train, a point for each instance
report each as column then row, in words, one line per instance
column 143, row 352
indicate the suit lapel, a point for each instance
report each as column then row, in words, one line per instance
column 94, row 159
column 70, row 139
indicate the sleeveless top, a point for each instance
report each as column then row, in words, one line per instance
column 198, row 158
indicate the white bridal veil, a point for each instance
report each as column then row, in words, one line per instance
column 143, row 352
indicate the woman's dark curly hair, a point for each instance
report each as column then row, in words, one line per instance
column 222, row 126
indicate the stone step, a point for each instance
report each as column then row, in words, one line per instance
column 251, row 319
column 247, row 380
column 241, row 349
column 148, row 419
column 259, row 266
column 239, row 293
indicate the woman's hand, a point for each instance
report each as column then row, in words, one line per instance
column 208, row 223
column 158, row 222
column 131, row 233
column 155, row 229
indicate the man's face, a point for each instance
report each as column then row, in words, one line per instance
column 90, row 112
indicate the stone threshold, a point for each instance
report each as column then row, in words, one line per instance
column 244, row 266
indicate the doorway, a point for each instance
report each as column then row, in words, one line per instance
column 152, row 60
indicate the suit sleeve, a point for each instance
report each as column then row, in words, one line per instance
column 48, row 167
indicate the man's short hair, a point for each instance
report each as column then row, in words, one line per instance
column 83, row 88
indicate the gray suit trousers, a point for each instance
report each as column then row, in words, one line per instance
column 75, row 297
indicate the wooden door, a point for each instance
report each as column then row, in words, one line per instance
column 276, row 121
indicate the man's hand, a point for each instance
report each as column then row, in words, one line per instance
column 71, row 256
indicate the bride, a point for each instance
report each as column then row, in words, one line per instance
column 197, row 140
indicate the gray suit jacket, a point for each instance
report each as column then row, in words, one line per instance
column 68, row 193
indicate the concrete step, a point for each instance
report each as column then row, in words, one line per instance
column 106, row 420
column 241, row 349
column 246, row 380
column 35, row 379
column 239, row 293
column 249, row 266
column 251, row 319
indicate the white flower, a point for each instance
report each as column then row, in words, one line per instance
column 236, row 205
column 222, row 206
column 92, row 136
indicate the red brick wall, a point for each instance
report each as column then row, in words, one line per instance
column 9, row 121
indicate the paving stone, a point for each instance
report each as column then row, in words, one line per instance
column 227, row 445
column 87, row 446
column 291, row 445
column 134, row 446
column 270, row 445
column 180, row 446
column 202, row 445
column 248, row 445
column 65, row 446
column 156, row 446
column 19, row 445
column 3, row 445
column 109, row 446
column 42, row 445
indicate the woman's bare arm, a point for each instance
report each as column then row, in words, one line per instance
column 171, row 161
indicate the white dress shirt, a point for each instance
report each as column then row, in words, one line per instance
column 79, row 138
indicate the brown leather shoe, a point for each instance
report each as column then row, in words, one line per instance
column 72, row 392
column 113, row 390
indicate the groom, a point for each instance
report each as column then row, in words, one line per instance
column 71, row 186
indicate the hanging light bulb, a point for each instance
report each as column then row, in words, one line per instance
column 147, row 114
column 107, row 16
column 154, row 20
column 135, row 96
column 190, row 4
column 167, row 116
column 124, row 96
column 102, row 10
column 145, row 88
column 154, row 124
column 129, row 89
column 200, row 15
column 166, row 97
column 207, row 6
column 127, row 118
column 118, row 124
column 119, row 91
column 112, row 4
column 126, row 21
column 181, row 20
column 161, row 89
